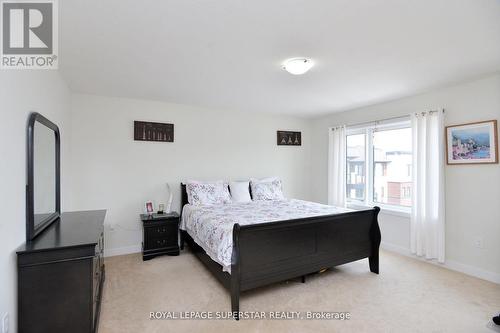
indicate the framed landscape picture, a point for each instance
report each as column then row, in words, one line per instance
column 474, row 143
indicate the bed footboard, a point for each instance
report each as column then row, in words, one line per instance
column 271, row 252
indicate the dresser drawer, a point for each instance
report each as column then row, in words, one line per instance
column 97, row 276
column 98, row 264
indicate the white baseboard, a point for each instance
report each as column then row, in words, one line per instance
column 396, row 248
column 449, row 264
column 118, row 251
column 473, row 271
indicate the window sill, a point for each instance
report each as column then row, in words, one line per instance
column 387, row 210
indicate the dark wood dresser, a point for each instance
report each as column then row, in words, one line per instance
column 61, row 275
column 160, row 235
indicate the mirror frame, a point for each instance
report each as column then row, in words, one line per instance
column 31, row 230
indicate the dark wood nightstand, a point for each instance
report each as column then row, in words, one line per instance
column 160, row 235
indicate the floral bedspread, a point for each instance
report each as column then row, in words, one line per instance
column 212, row 226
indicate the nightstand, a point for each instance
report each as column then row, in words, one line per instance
column 160, row 235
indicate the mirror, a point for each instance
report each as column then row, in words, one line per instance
column 43, row 186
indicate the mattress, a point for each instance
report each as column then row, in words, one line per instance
column 211, row 227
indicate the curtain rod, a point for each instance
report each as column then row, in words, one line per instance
column 388, row 119
column 377, row 121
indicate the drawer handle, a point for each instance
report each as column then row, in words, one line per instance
column 161, row 230
column 161, row 242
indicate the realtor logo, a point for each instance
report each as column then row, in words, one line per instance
column 29, row 34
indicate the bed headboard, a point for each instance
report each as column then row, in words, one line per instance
column 184, row 196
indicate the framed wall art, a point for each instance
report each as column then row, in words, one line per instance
column 149, row 131
column 472, row 143
column 289, row 138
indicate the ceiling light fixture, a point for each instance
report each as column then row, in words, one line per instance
column 298, row 66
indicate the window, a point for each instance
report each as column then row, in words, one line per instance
column 379, row 163
column 392, row 150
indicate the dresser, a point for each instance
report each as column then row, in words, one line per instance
column 160, row 235
column 61, row 275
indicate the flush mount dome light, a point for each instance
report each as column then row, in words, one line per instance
column 298, row 66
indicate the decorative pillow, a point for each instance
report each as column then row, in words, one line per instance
column 240, row 191
column 207, row 193
column 267, row 190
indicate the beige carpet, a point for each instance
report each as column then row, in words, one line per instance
column 408, row 296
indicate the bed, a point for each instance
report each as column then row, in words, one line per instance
column 250, row 245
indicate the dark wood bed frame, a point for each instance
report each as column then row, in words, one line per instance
column 277, row 251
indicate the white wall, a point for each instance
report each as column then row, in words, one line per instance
column 472, row 191
column 20, row 93
column 114, row 172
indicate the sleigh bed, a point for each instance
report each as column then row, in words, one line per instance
column 265, row 253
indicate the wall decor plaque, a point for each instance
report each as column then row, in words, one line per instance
column 289, row 138
column 149, row 131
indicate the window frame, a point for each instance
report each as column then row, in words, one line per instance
column 369, row 131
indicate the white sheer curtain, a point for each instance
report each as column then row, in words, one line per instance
column 427, row 229
column 336, row 166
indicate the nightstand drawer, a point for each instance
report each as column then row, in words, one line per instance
column 161, row 231
column 159, row 243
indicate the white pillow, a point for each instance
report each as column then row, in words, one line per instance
column 207, row 193
column 240, row 191
column 267, row 190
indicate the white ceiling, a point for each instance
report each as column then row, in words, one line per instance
column 227, row 54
